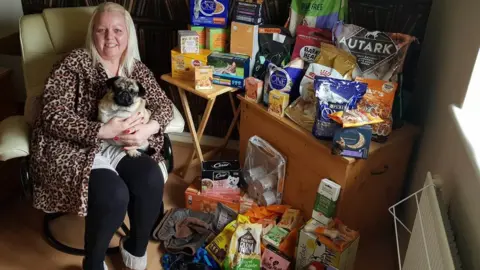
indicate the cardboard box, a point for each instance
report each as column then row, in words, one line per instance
column 188, row 41
column 248, row 12
column 229, row 69
column 244, row 40
column 203, row 78
column 197, row 201
column 183, row 65
column 309, row 249
column 352, row 142
column 202, row 33
column 209, row 13
column 217, row 39
column 277, row 102
column 253, row 89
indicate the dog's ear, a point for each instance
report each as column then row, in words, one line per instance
column 111, row 81
column 141, row 90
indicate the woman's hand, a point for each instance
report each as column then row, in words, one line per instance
column 138, row 135
column 117, row 125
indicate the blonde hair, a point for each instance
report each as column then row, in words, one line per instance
column 131, row 53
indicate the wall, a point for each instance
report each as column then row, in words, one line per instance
column 10, row 13
column 449, row 51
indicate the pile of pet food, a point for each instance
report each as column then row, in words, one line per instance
column 235, row 219
column 336, row 80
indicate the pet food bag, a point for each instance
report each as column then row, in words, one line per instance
column 379, row 100
column 380, row 55
column 244, row 251
column 264, row 172
column 274, row 45
column 316, row 13
column 286, row 79
column 308, row 42
column 331, row 62
column 334, row 95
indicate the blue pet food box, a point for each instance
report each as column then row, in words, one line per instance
column 209, row 13
column 352, row 142
column 229, row 69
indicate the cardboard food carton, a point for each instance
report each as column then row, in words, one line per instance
column 352, row 142
column 217, row 39
column 221, row 177
column 229, row 69
column 209, row 13
column 244, row 40
column 202, row 33
column 248, row 12
column 183, row 65
column 311, row 249
column 195, row 200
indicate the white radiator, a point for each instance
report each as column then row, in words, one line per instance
column 431, row 245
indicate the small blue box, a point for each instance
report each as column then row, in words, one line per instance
column 229, row 69
column 209, row 13
column 352, row 142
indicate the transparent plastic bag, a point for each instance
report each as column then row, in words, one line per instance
column 264, row 172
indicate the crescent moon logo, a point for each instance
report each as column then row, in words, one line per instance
column 359, row 143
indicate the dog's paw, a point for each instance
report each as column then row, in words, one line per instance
column 134, row 153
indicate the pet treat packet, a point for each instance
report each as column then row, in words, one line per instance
column 244, row 251
column 223, row 216
column 275, row 236
column 378, row 100
column 308, row 42
column 334, row 95
column 335, row 62
column 316, row 13
column 274, row 45
column 380, row 55
column 219, row 245
column 286, row 79
column 355, row 118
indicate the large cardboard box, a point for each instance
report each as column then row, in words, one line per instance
column 309, row 249
column 195, row 200
column 183, row 65
column 244, row 40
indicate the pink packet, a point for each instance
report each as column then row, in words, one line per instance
column 308, row 42
column 274, row 260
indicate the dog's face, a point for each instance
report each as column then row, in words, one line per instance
column 125, row 91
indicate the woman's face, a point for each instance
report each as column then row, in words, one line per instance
column 110, row 35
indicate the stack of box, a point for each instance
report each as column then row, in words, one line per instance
column 219, row 182
column 229, row 52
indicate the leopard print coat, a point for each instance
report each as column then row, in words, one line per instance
column 64, row 138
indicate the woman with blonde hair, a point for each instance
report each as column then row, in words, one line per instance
column 73, row 171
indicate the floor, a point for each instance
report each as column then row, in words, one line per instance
column 22, row 245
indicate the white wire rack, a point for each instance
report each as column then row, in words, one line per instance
column 431, row 242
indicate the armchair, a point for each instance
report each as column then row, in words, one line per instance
column 45, row 38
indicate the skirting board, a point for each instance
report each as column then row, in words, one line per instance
column 212, row 141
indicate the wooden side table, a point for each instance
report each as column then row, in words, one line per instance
column 210, row 95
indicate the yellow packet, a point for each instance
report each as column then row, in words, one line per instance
column 219, row 245
column 355, row 118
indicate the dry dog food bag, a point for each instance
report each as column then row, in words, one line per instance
column 316, row 13
column 244, row 252
column 380, row 55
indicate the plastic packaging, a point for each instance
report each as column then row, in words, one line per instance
column 260, row 154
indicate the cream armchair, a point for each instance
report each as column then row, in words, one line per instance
column 45, row 38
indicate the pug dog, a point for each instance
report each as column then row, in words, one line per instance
column 124, row 98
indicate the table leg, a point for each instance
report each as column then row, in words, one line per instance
column 191, row 125
column 201, row 129
column 236, row 113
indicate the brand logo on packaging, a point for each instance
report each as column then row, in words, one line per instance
column 371, row 48
column 211, row 7
column 196, row 63
column 221, row 165
column 279, row 79
column 309, row 53
column 220, row 175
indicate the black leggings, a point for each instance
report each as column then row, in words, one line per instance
column 138, row 189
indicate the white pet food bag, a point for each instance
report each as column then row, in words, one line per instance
column 264, row 172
